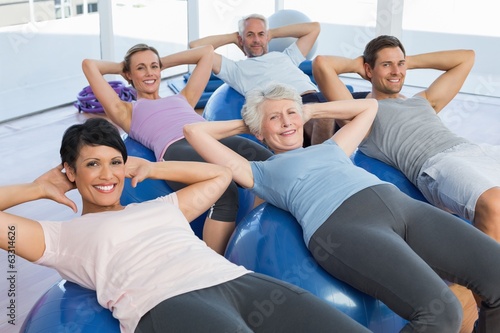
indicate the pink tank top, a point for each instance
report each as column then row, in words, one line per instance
column 158, row 123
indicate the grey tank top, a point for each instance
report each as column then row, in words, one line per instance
column 407, row 132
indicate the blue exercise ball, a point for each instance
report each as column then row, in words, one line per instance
column 269, row 241
column 226, row 104
column 390, row 174
column 387, row 173
column 285, row 17
column 67, row 307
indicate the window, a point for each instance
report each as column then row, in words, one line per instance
column 42, row 55
column 456, row 24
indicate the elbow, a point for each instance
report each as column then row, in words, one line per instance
column 373, row 106
column 315, row 30
column 187, row 130
column 471, row 55
column 317, row 27
column 192, row 44
column 319, row 63
column 322, row 69
column 228, row 174
column 208, row 53
column 207, row 48
column 85, row 64
column 224, row 176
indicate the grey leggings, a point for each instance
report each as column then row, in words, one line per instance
column 225, row 208
column 399, row 250
column 251, row 303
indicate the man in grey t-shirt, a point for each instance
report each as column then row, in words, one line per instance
column 451, row 172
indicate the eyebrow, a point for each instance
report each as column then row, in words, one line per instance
column 98, row 159
column 144, row 64
column 391, row 62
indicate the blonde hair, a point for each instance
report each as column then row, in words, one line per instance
column 133, row 50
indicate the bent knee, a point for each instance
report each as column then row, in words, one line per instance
column 439, row 317
column 489, row 202
column 487, row 213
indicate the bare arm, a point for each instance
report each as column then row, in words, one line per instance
column 361, row 114
column 306, row 34
column 206, row 182
column 205, row 136
column 456, row 65
column 203, row 58
column 120, row 112
column 216, row 40
column 326, row 71
column 25, row 236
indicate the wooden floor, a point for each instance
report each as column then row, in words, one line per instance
column 30, row 146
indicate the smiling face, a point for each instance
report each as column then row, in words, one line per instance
column 282, row 125
column 99, row 175
column 254, row 39
column 388, row 74
column 145, row 73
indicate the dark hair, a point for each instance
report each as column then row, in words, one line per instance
column 93, row 132
column 377, row 44
column 133, row 50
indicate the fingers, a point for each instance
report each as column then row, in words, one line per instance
column 71, row 204
column 134, row 181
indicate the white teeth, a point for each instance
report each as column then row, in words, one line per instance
column 105, row 188
column 149, row 81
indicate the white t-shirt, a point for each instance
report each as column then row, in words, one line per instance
column 134, row 258
column 283, row 67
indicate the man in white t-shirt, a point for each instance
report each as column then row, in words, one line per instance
column 261, row 66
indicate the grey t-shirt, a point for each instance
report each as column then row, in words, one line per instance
column 407, row 132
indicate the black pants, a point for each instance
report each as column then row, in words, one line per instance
column 399, row 250
column 251, row 303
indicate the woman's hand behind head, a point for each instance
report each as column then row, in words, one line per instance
column 54, row 184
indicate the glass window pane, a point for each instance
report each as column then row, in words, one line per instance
column 159, row 23
column 353, row 12
column 42, row 55
column 479, row 17
column 346, row 26
column 455, row 24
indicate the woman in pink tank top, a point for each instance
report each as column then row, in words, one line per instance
column 157, row 122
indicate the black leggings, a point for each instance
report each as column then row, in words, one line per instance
column 251, row 303
column 226, row 208
column 399, row 250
